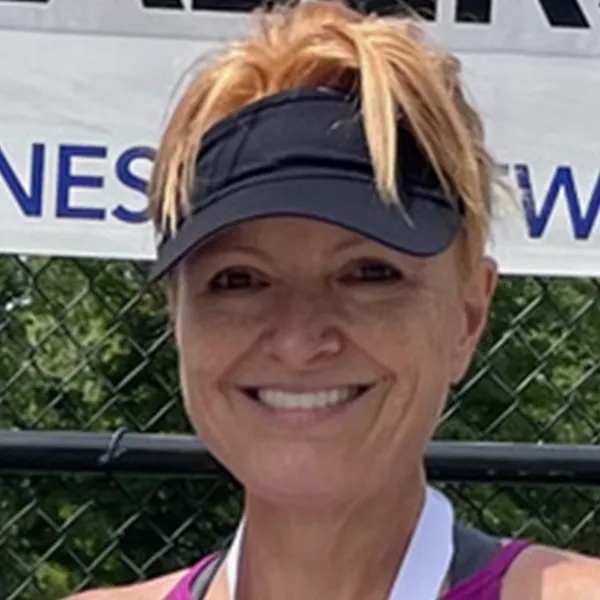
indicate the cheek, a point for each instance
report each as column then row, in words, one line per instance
column 210, row 342
column 212, row 334
column 414, row 341
column 415, row 332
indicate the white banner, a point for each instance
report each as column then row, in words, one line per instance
column 85, row 87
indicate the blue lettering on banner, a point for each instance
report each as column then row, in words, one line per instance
column 563, row 181
column 30, row 202
column 67, row 180
column 539, row 205
column 132, row 181
column 29, row 195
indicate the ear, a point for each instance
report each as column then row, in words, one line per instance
column 476, row 297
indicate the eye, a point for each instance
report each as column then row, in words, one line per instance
column 235, row 279
column 372, row 271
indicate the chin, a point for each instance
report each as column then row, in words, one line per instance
column 296, row 481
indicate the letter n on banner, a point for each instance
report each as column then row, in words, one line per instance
column 29, row 201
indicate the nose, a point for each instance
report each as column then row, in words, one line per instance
column 304, row 331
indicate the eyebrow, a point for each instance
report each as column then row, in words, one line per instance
column 215, row 250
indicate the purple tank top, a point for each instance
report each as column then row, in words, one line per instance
column 484, row 585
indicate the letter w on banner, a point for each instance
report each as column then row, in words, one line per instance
column 83, row 108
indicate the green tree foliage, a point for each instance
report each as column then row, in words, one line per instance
column 84, row 345
column 536, row 378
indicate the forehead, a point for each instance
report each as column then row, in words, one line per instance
column 287, row 233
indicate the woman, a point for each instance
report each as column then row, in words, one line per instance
column 324, row 193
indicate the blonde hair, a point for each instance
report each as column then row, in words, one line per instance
column 386, row 60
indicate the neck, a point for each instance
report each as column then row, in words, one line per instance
column 351, row 551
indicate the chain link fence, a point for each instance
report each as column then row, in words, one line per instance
column 85, row 346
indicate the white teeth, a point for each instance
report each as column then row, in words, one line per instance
column 279, row 399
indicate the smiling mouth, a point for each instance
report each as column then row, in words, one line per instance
column 280, row 399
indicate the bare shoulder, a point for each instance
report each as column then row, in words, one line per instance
column 543, row 573
column 155, row 589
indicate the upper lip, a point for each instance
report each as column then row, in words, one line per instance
column 304, row 389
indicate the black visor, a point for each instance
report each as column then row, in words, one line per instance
column 304, row 154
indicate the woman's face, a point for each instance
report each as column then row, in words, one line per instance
column 315, row 362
